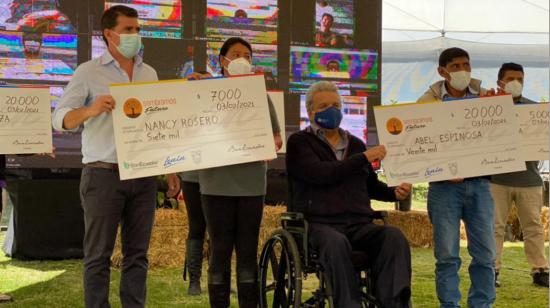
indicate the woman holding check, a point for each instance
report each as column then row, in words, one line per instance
column 195, row 218
column 232, row 201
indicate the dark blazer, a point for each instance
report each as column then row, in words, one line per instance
column 328, row 190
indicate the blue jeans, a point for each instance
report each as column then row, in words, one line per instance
column 472, row 202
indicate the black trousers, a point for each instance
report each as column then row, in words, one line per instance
column 233, row 222
column 195, row 216
column 108, row 201
column 388, row 254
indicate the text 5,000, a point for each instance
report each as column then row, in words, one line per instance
column 539, row 114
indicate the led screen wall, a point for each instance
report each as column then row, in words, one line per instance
column 294, row 43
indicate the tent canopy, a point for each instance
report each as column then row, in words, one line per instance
column 483, row 20
column 414, row 32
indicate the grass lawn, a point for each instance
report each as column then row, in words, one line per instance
column 59, row 283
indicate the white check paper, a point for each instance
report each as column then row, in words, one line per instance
column 428, row 142
column 533, row 130
column 25, row 120
column 174, row 126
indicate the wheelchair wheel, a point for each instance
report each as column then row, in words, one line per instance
column 323, row 295
column 366, row 290
column 280, row 272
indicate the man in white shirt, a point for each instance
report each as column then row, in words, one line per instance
column 106, row 200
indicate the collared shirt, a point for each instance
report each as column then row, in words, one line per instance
column 340, row 149
column 445, row 96
column 90, row 80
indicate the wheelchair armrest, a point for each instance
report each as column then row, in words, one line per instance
column 292, row 216
column 381, row 215
column 294, row 222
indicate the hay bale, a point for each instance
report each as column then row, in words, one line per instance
column 415, row 225
column 167, row 246
column 513, row 220
column 271, row 220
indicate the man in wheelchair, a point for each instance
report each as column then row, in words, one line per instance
column 332, row 182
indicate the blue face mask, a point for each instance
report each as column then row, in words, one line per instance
column 329, row 118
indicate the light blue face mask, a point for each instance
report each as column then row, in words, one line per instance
column 129, row 45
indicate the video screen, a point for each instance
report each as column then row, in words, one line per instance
column 34, row 16
column 158, row 18
column 177, row 63
column 264, row 58
column 354, row 109
column 37, row 56
column 354, row 71
column 55, row 95
column 253, row 20
column 98, row 46
column 334, row 23
column 188, row 66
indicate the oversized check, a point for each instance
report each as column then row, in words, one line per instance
column 25, row 120
column 428, row 142
column 533, row 129
column 179, row 125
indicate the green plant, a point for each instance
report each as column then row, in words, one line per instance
column 420, row 192
column 162, row 200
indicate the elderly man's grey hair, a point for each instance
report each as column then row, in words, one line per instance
column 320, row 86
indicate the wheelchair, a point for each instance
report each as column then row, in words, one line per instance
column 286, row 259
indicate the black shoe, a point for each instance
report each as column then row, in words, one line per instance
column 540, row 277
column 193, row 266
column 194, row 288
column 247, row 295
column 218, row 295
column 497, row 281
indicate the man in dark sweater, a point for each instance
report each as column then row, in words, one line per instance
column 524, row 189
column 332, row 183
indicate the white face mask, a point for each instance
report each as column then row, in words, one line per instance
column 514, row 87
column 239, row 66
column 460, row 80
